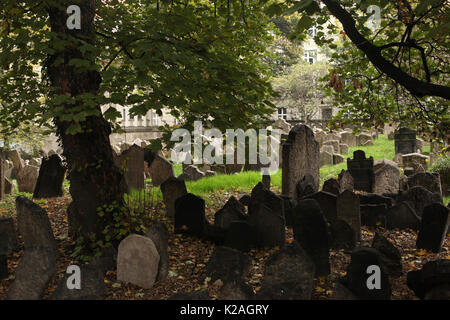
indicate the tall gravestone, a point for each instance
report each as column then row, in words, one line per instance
column 132, row 162
column 361, row 169
column 301, row 155
column 348, row 210
column 51, row 176
column 172, row 189
column 405, row 141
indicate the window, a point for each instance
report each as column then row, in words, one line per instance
column 130, row 117
column 124, row 114
column 312, row 32
column 310, row 56
column 282, row 113
column 155, row 119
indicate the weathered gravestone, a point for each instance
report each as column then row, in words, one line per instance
column 240, row 236
column 418, row 197
column 227, row 265
column 389, row 255
column 132, row 162
column 429, row 180
column 387, row 179
column 159, row 168
column 361, row 169
column 51, row 176
column 39, row 255
column 326, row 158
column 193, row 173
column 373, row 215
column 92, row 285
column 266, row 217
column 402, row 216
column 432, row 282
column 348, row 139
column 348, row 209
column 327, row 203
column 8, row 229
column 416, row 161
column 305, row 187
column 433, row 229
column 160, row 236
column 300, row 157
column 172, row 189
column 27, row 178
column 405, row 141
column 346, row 181
column 342, row 236
column 137, row 261
column 311, row 232
column 331, row 186
column 288, row 275
column 357, row 275
column 266, row 180
column 190, row 215
column 233, row 210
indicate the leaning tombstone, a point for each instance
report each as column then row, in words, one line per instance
column 50, row 180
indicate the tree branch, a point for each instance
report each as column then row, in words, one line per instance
column 413, row 85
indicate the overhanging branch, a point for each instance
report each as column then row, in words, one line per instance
column 415, row 86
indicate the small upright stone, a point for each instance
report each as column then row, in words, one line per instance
column 137, row 261
column 361, row 169
column 311, row 232
column 348, row 209
column 190, row 215
column 331, row 186
column 51, row 176
column 172, row 189
column 435, row 222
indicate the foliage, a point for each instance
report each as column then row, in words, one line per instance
column 442, row 166
column 401, row 69
column 299, row 88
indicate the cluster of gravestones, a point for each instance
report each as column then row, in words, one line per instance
column 334, row 145
column 41, row 177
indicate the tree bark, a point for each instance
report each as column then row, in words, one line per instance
column 95, row 180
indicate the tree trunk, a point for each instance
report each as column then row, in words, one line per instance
column 95, row 180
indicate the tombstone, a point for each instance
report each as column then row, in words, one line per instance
column 389, row 255
column 266, row 180
column 387, row 179
column 419, row 198
column 416, row 161
column 428, row 180
column 193, row 173
column 328, row 148
column 8, row 229
column 9, row 186
column 159, row 168
column 40, row 252
column 311, row 232
column 137, row 261
column 346, row 181
column 190, row 215
column 348, row 210
column 288, row 275
column 327, row 203
column 349, row 139
column 342, row 236
column 365, row 139
column 331, row 186
column 343, row 148
column 326, row 158
column 233, row 210
column 172, row 189
column 305, row 187
column 283, row 125
column 432, row 282
column 334, row 143
column 236, row 290
column 375, row 199
column 266, row 217
column 361, row 169
column 433, row 229
column 378, row 164
column 402, row 216
column 18, row 163
column 300, row 156
column 357, row 277
column 240, row 236
column 51, row 176
column 338, row 158
column 132, row 162
column 373, row 215
column 160, row 236
column 92, row 285
column 27, row 178
column 227, row 265
column 2, row 179
column 405, row 141
column 245, row 200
